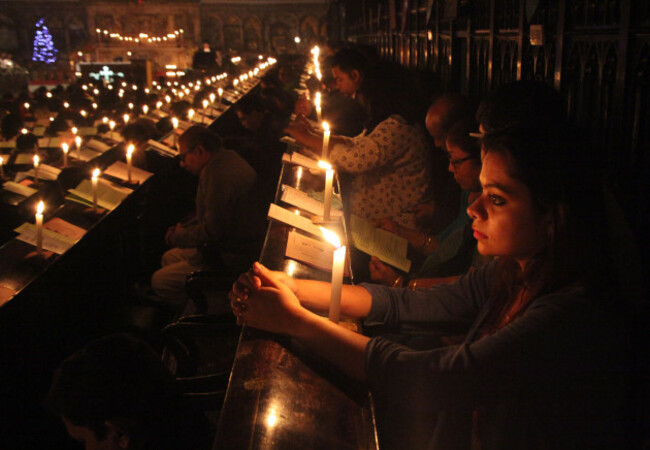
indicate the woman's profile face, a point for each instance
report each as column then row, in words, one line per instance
column 505, row 220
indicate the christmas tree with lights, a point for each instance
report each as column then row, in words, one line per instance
column 44, row 50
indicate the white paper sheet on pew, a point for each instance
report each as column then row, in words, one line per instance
column 162, row 148
column 52, row 241
column 109, row 195
column 200, row 118
column 113, row 136
column 303, row 201
column 119, row 170
column 19, row 189
column 388, row 247
column 85, row 154
column 290, row 218
column 49, row 142
column 64, row 228
column 45, row 172
column 38, row 131
column 97, row 145
column 312, row 252
column 8, row 144
column 87, row 131
column 301, row 160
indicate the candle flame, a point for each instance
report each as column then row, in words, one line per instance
column 324, row 165
column 77, row 141
column 205, row 103
column 40, row 207
column 65, row 147
column 175, row 122
column 331, row 237
column 326, row 126
column 126, row 118
column 130, row 149
column 36, row 159
column 95, row 173
column 74, row 130
column 190, row 113
column 111, row 124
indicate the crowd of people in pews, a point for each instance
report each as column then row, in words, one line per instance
column 507, row 332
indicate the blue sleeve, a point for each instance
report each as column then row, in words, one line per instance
column 442, row 304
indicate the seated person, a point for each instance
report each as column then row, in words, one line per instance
column 204, row 58
column 116, row 394
column 449, row 253
column 389, row 161
column 226, row 183
column 545, row 363
column 262, row 148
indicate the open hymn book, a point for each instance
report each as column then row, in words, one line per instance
column 387, row 247
column 109, row 195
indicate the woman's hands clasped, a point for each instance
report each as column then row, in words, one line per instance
column 266, row 300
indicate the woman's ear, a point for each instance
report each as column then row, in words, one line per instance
column 117, row 434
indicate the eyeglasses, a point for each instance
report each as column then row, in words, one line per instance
column 455, row 162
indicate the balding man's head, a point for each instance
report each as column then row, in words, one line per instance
column 444, row 113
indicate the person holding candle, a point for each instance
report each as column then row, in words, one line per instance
column 389, row 162
column 545, row 361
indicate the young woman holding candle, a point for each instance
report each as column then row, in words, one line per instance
column 388, row 163
column 544, row 362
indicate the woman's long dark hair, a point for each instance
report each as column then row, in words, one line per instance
column 386, row 90
column 565, row 184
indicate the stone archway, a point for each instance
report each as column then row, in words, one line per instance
column 233, row 35
column 253, row 34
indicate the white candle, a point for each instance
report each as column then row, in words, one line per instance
column 205, row 109
column 175, row 125
column 319, row 115
column 129, row 156
column 327, row 198
column 338, row 266
column 65, row 148
column 36, row 164
column 326, row 140
column 220, row 92
column 39, row 226
column 95, row 179
column 77, row 142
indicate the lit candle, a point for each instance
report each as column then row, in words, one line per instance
column 126, row 118
column 319, row 115
column 175, row 125
column 326, row 140
column 129, row 156
column 190, row 114
column 95, row 179
column 338, row 265
column 65, row 148
column 111, row 125
column 159, row 105
column 36, row 164
column 77, row 142
column 329, row 179
column 74, row 130
column 2, row 168
column 212, row 97
column 205, row 109
column 39, row 226
column 145, row 109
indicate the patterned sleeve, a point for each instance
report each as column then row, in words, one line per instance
column 387, row 142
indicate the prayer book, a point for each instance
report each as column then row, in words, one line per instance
column 109, row 195
column 295, row 220
column 19, row 189
column 162, row 148
column 49, row 142
column 52, row 240
column 305, row 202
column 45, row 172
column 98, row 145
column 120, row 170
column 387, row 247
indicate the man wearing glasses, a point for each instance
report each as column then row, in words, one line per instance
column 226, row 183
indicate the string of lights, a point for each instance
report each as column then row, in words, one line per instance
column 140, row 38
